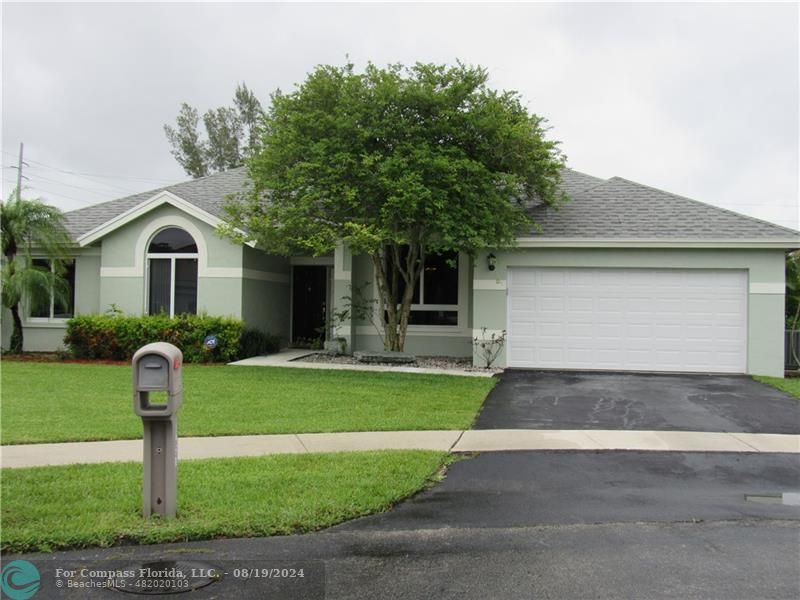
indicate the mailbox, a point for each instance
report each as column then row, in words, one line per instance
column 158, row 368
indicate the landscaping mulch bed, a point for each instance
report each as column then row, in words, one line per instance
column 423, row 362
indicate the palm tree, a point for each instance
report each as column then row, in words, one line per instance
column 31, row 229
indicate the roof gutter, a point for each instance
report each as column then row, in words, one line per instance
column 788, row 243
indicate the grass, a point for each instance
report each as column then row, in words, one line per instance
column 51, row 508
column 790, row 385
column 57, row 402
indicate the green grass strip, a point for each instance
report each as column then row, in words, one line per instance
column 51, row 508
column 790, row 385
column 57, row 402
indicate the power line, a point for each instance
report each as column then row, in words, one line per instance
column 77, row 187
column 103, row 183
column 68, row 172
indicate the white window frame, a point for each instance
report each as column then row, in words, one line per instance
column 172, row 257
column 51, row 318
column 461, row 307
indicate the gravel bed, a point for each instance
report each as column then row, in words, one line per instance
column 423, row 362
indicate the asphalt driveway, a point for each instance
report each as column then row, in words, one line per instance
column 656, row 402
column 523, row 525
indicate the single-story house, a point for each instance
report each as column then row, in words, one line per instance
column 622, row 277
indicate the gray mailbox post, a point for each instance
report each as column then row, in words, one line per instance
column 159, row 368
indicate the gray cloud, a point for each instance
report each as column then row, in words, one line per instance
column 701, row 100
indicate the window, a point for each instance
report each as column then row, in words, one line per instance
column 435, row 300
column 172, row 273
column 55, row 308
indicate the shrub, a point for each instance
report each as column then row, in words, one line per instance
column 255, row 342
column 117, row 337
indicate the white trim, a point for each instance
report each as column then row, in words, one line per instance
column 322, row 261
column 162, row 197
column 143, row 241
column 460, row 329
column 489, row 284
column 341, row 272
column 206, row 273
column 120, row 272
column 543, row 242
column 43, row 323
column 767, row 288
column 263, row 276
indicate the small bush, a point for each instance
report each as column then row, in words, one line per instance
column 254, row 342
column 116, row 337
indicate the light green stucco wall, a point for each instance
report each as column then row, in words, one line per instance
column 765, row 299
column 49, row 336
column 266, row 293
column 122, row 276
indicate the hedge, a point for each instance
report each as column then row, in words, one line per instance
column 254, row 342
column 117, row 337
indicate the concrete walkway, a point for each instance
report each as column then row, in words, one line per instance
column 289, row 358
column 489, row 440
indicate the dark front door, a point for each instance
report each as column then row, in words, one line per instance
column 309, row 295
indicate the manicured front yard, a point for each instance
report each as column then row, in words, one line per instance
column 55, row 402
column 49, row 508
column 790, row 385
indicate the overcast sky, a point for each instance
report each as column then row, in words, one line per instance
column 697, row 99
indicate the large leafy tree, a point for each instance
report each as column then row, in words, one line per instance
column 397, row 162
column 231, row 135
column 30, row 229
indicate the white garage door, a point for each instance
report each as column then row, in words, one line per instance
column 628, row 319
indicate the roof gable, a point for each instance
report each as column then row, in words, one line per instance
column 208, row 194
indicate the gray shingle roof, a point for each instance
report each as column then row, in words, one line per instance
column 617, row 208
column 208, row 193
column 611, row 209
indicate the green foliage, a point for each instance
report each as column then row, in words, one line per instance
column 792, row 289
column 30, row 229
column 254, row 342
column 232, row 134
column 427, row 158
column 114, row 337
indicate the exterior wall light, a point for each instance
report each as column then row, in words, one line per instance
column 491, row 262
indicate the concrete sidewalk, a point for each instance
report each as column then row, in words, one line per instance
column 489, row 440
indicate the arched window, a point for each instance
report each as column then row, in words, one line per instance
column 172, row 273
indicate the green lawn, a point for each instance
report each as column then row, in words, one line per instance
column 50, row 508
column 55, row 402
column 790, row 385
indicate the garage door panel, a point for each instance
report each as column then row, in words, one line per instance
column 642, row 319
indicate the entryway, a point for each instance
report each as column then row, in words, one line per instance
column 310, row 302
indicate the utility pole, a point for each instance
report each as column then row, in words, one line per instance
column 19, row 173
column 20, row 176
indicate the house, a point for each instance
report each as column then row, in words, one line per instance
column 622, row 277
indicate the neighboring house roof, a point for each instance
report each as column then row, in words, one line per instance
column 599, row 209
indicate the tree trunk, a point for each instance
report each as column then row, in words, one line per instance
column 15, row 345
column 396, row 318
